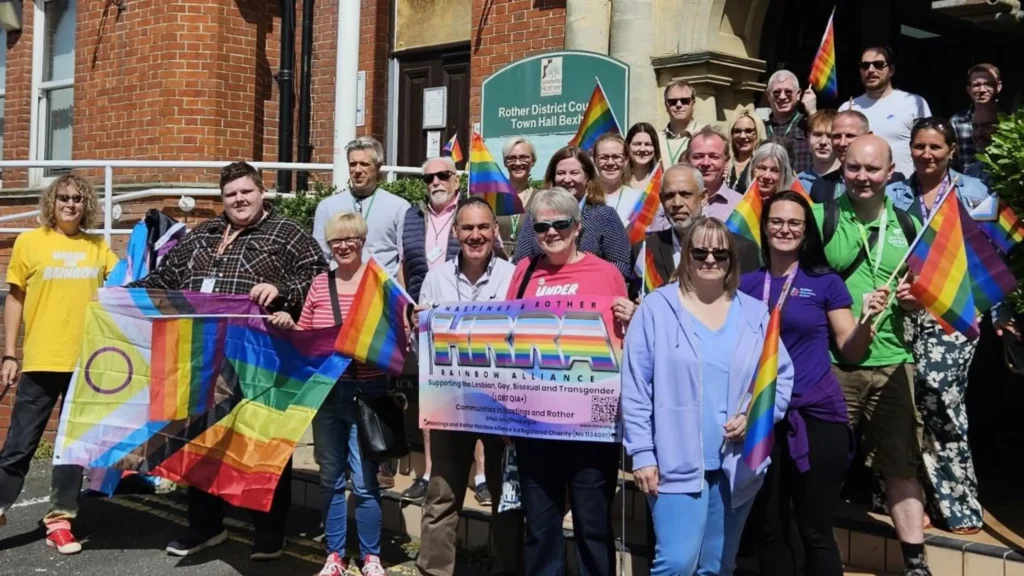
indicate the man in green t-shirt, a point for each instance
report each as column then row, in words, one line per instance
column 869, row 242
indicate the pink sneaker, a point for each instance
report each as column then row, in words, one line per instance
column 372, row 566
column 64, row 541
column 335, row 565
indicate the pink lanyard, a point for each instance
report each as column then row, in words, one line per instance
column 785, row 287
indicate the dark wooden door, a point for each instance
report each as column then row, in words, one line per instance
column 448, row 68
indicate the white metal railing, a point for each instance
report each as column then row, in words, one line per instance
column 109, row 199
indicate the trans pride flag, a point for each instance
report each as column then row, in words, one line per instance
column 196, row 388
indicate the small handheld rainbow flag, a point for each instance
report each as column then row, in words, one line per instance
column 489, row 182
column 374, row 331
column 991, row 280
column 999, row 222
column 798, row 187
column 939, row 261
column 757, row 445
column 452, row 149
column 823, row 69
column 652, row 279
column 646, row 208
column 745, row 219
column 598, row 119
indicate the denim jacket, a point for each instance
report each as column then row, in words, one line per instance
column 970, row 191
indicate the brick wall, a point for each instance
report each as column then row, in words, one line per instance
column 504, row 32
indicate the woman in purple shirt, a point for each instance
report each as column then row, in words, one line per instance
column 813, row 441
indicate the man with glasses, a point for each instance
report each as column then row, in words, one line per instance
column 680, row 101
column 786, row 124
column 983, row 86
column 427, row 243
column 890, row 112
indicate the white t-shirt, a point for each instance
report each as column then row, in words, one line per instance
column 624, row 201
column 892, row 118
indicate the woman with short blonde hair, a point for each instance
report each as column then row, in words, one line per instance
column 519, row 156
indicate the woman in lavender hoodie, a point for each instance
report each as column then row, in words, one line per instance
column 691, row 352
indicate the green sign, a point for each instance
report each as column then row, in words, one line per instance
column 548, row 93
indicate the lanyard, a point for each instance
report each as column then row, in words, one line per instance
column 515, row 225
column 437, row 233
column 358, row 204
column 785, row 287
column 792, row 121
column 673, row 155
column 226, row 240
column 876, row 263
column 938, row 196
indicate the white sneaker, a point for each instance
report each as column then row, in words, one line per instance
column 373, row 567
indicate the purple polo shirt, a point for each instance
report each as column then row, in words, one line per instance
column 805, row 332
column 721, row 204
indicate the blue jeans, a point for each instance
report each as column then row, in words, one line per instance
column 336, row 444
column 698, row 533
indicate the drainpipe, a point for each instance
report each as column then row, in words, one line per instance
column 586, row 25
column 633, row 41
column 345, row 75
column 305, row 94
column 286, row 87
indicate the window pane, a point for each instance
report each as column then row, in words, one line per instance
column 3, row 59
column 59, row 48
column 59, row 113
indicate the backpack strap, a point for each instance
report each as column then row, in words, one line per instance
column 906, row 225
column 828, row 227
column 526, row 277
column 332, row 289
column 862, row 255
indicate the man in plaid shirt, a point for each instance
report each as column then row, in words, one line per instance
column 787, row 124
column 983, row 86
column 248, row 249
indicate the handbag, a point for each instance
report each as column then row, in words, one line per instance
column 379, row 421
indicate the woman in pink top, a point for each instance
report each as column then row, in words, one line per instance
column 548, row 468
column 335, row 435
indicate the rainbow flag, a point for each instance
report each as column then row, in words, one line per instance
column 488, row 181
column 374, row 332
column 745, row 219
column 991, row 279
column 999, row 222
column 798, row 187
column 195, row 388
column 823, row 69
column 757, row 445
column 940, row 265
column 598, row 119
column 452, row 149
column 646, row 208
column 652, row 279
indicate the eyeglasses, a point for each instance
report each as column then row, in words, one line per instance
column 518, row 159
column 744, row 131
column 701, row 254
column 335, row 242
column 558, row 225
column 605, row 158
column 779, row 223
column 783, row 92
column 677, row 101
column 876, row 64
column 444, row 176
column 69, row 199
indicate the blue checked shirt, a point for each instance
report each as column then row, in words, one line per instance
column 963, row 125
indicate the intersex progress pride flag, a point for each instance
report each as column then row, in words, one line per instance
column 538, row 368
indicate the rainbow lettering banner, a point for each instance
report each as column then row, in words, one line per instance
column 539, row 368
column 646, row 208
column 999, row 222
column 452, row 149
column 598, row 119
column 939, row 262
column 488, row 181
column 757, row 445
column 823, row 69
column 745, row 219
column 196, row 388
column 374, row 332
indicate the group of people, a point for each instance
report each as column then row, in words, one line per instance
column 860, row 365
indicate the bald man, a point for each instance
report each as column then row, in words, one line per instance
column 866, row 238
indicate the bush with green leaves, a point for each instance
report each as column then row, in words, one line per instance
column 1004, row 159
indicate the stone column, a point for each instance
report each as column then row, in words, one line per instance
column 633, row 40
column 587, row 25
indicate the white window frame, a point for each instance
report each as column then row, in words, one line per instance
column 41, row 90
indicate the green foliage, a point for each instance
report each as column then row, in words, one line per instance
column 1004, row 159
column 302, row 207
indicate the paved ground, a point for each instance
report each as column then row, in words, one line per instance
column 126, row 535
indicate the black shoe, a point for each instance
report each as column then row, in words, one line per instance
column 483, row 495
column 268, row 546
column 916, row 568
column 195, row 541
column 416, row 492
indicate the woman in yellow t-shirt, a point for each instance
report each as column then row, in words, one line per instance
column 54, row 272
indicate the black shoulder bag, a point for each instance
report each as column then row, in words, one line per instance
column 380, row 422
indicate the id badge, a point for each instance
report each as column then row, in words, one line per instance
column 207, row 287
column 435, row 253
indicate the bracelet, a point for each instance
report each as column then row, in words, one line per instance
column 16, row 361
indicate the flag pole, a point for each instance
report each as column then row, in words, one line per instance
column 610, row 108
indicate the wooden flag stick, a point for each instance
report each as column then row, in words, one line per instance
column 888, row 302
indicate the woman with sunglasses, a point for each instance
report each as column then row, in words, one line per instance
column 600, row 231
column 54, row 273
column 942, row 360
column 813, row 444
column 644, row 154
column 691, row 351
column 771, row 169
column 550, row 468
column 745, row 134
column 610, row 156
column 520, row 156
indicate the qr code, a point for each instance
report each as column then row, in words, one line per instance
column 604, row 409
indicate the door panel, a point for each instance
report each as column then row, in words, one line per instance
column 448, row 68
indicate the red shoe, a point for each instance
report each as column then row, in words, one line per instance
column 64, row 541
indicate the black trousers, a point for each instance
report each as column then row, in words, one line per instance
column 206, row 511
column 37, row 395
column 813, row 495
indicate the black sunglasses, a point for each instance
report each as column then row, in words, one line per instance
column 559, row 225
column 444, row 176
column 877, row 64
column 701, row 254
column 675, row 101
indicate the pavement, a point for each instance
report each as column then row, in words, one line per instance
column 126, row 535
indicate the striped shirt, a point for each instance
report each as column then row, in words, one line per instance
column 317, row 313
